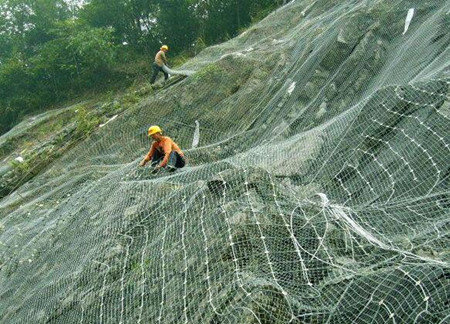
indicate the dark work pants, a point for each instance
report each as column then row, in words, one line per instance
column 155, row 70
column 175, row 159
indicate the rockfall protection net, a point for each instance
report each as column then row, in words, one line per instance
column 318, row 192
column 177, row 72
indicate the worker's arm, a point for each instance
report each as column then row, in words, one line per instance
column 148, row 157
column 164, row 58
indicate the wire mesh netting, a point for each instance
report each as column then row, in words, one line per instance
column 318, row 191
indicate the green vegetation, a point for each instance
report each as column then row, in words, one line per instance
column 86, row 122
column 40, row 143
column 211, row 71
column 54, row 51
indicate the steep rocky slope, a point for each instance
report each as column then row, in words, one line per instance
column 319, row 192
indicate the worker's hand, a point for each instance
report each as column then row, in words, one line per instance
column 156, row 169
column 142, row 163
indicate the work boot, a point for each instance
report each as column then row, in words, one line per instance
column 171, row 168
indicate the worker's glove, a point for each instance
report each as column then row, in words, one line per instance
column 142, row 163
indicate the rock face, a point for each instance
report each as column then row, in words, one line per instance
column 318, row 192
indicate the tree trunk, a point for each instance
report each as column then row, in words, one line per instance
column 237, row 15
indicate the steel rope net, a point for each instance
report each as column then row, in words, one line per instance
column 318, row 193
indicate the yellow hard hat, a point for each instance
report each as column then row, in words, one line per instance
column 153, row 130
column 165, row 47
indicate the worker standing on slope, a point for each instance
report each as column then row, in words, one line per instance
column 164, row 152
column 157, row 66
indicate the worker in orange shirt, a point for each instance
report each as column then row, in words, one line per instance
column 164, row 153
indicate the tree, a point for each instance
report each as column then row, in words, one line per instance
column 177, row 24
column 77, row 55
column 76, row 58
column 223, row 19
column 133, row 21
column 27, row 23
